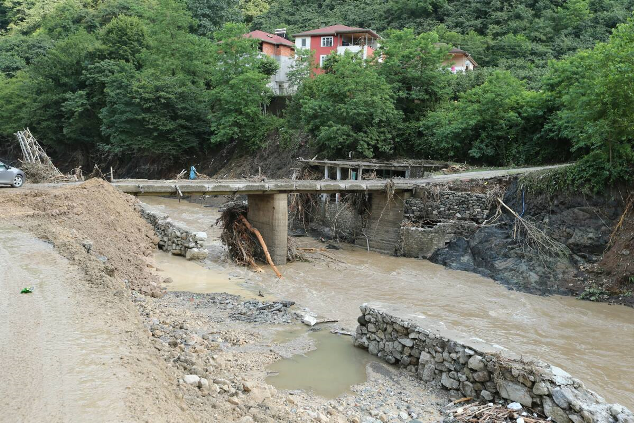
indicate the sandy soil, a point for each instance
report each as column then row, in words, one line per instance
column 77, row 346
column 71, row 351
column 50, row 355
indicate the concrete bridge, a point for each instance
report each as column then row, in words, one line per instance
column 268, row 200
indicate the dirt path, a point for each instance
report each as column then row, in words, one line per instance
column 63, row 356
column 56, row 365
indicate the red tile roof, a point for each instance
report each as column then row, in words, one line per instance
column 269, row 38
column 336, row 29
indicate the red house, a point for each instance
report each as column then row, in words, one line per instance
column 281, row 50
column 339, row 38
column 272, row 44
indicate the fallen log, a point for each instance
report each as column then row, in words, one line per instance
column 258, row 235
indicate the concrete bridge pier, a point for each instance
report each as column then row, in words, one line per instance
column 269, row 214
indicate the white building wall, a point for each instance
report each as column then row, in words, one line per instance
column 300, row 44
column 279, row 82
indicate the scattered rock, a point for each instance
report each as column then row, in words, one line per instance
column 191, row 379
column 309, row 320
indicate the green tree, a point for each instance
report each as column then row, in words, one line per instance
column 153, row 113
column 412, row 64
column 485, row 125
column 16, row 100
column 240, row 94
column 596, row 106
column 350, row 108
column 124, row 38
column 302, row 68
column 211, row 15
column 253, row 8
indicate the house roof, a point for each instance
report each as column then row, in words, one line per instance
column 460, row 51
column 269, row 38
column 455, row 50
column 337, row 29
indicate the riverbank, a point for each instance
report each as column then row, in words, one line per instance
column 229, row 341
column 191, row 357
column 588, row 339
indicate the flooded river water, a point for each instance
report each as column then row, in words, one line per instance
column 592, row 341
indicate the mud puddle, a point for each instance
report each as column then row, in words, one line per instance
column 194, row 277
column 328, row 371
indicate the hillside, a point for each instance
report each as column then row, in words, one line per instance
column 519, row 35
column 134, row 84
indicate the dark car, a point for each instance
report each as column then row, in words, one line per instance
column 10, row 175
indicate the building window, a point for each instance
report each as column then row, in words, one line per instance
column 303, row 42
column 322, row 59
column 326, row 41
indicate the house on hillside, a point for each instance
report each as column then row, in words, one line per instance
column 460, row 61
column 339, row 38
column 282, row 50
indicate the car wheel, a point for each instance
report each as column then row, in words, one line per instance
column 18, row 180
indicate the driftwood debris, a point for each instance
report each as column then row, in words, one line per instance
column 490, row 413
column 242, row 239
column 258, row 235
column 37, row 165
column 532, row 236
column 32, row 151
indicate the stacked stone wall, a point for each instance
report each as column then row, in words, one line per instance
column 448, row 205
column 422, row 242
column 472, row 369
column 174, row 238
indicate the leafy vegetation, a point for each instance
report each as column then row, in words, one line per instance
column 350, row 108
column 517, row 35
column 176, row 77
column 594, row 293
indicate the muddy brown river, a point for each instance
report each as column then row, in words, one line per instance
column 592, row 341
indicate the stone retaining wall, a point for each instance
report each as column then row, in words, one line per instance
column 422, row 242
column 449, row 205
column 472, row 369
column 175, row 238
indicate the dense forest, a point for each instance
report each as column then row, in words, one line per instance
column 123, row 78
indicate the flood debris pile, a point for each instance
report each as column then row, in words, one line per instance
column 467, row 368
column 245, row 243
column 492, row 413
column 240, row 242
column 37, row 165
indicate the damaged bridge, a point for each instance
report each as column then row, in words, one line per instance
column 268, row 200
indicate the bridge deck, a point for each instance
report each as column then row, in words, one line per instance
column 223, row 186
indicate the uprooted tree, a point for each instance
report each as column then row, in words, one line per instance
column 244, row 242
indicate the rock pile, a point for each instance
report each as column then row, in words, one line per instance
column 174, row 238
column 471, row 369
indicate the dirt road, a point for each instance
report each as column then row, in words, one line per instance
column 63, row 356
